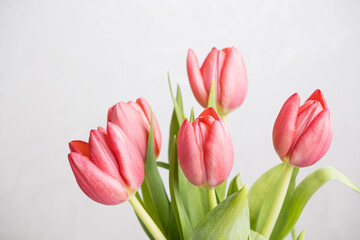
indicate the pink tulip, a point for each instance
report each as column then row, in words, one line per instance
column 205, row 150
column 302, row 134
column 134, row 119
column 109, row 169
column 227, row 68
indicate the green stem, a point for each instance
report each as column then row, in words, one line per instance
column 147, row 220
column 280, row 196
column 212, row 198
column 293, row 233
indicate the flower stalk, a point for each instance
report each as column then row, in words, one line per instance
column 212, row 198
column 147, row 220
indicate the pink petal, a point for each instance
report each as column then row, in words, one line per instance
column 96, row 184
column 130, row 162
column 319, row 96
column 102, row 155
column 209, row 70
column 233, row 82
column 210, row 112
column 189, row 154
column 80, row 147
column 218, row 154
column 196, row 80
column 314, row 142
column 145, row 106
column 285, row 125
column 134, row 125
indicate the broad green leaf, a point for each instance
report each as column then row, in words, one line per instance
column 235, row 185
column 181, row 216
column 301, row 236
column 256, row 236
column 292, row 209
column 212, row 96
column 260, row 191
column 175, row 124
column 221, row 191
column 154, row 186
column 229, row 220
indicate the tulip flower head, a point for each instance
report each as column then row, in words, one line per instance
column 303, row 134
column 205, row 150
column 227, row 68
column 109, row 169
column 134, row 119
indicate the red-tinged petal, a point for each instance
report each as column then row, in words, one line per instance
column 145, row 106
column 319, row 96
column 285, row 126
column 210, row 69
column 101, row 154
column 135, row 125
column 80, row 147
column 131, row 165
column 196, row 80
column 210, row 112
column 96, row 184
column 218, row 154
column 233, row 82
column 103, row 130
column 190, row 155
column 110, row 114
column 314, row 142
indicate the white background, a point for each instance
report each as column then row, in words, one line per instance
column 64, row 63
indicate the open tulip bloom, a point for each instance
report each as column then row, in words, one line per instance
column 119, row 164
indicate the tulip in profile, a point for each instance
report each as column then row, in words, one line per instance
column 227, row 68
column 109, row 169
column 205, row 150
column 134, row 119
column 302, row 134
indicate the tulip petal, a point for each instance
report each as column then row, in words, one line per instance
column 233, row 82
column 190, row 155
column 285, row 125
column 130, row 161
column 132, row 123
column 209, row 69
column 314, row 142
column 96, row 184
column 146, row 109
column 218, row 154
column 210, row 112
column 80, row 147
column 102, row 155
column 319, row 96
column 196, row 79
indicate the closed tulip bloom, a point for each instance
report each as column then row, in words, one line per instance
column 302, row 134
column 109, row 169
column 134, row 119
column 205, row 150
column 227, row 68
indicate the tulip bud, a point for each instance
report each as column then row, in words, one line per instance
column 109, row 169
column 205, row 150
column 227, row 68
column 134, row 119
column 302, row 135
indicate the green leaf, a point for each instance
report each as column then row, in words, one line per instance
column 292, row 209
column 220, row 191
column 155, row 197
column 212, row 96
column 175, row 124
column 177, row 107
column 257, row 236
column 229, row 220
column 162, row 165
column 235, row 185
column 192, row 115
column 260, row 190
column 181, row 216
column 301, row 236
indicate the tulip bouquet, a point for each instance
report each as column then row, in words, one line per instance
column 119, row 164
